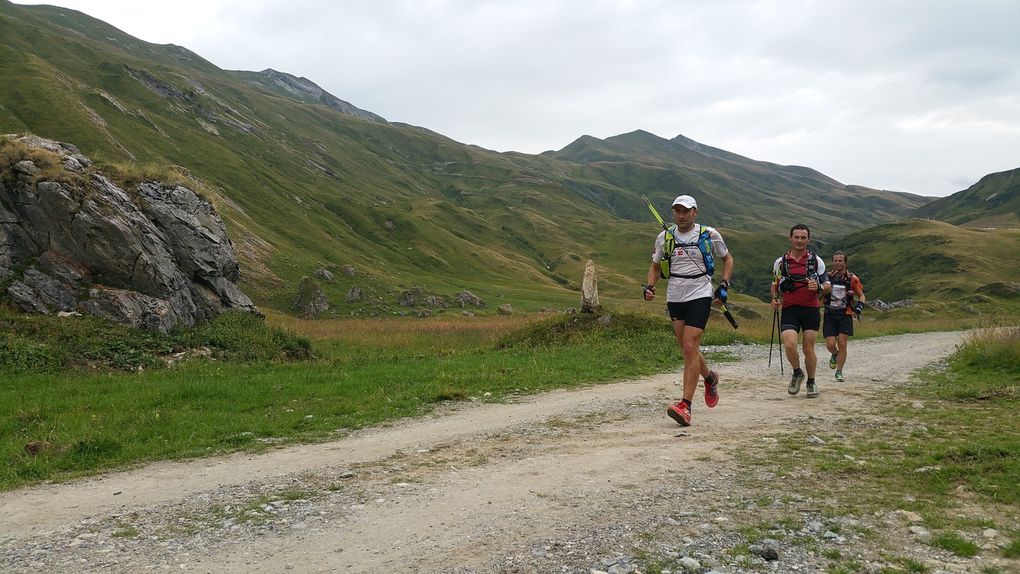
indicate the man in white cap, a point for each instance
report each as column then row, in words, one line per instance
column 686, row 255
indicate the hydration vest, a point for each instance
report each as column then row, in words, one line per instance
column 847, row 282
column 786, row 276
column 704, row 243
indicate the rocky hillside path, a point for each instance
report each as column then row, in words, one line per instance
column 567, row 481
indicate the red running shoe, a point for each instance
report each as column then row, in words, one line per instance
column 681, row 413
column 712, row 389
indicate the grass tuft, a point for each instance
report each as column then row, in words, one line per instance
column 955, row 543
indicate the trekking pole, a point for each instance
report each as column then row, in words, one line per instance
column 780, row 344
column 772, row 336
column 658, row 218
column 729, row 316
column 665, row 227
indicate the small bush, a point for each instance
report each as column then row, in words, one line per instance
column 243, row 337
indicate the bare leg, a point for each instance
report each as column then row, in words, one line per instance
column 693, row 361
column 789, row 337
column 810, row 359
column 841, row 359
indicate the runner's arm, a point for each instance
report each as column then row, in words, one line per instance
column 858, row 288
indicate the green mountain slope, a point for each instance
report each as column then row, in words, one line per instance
column 931, row 260
column 306, row 180
column 745, row 193
column 994, row 201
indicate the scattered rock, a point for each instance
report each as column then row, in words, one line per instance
column 910, row 517
column 467, row 298
column 689, row 564
column 768, row 553
column 505, row 309
column 324, row 274
column 409, row 297
column 349, row 270
column 353, row 294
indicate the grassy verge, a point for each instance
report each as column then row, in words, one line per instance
column 62, row 424
column 47, row 344
column 946, row 447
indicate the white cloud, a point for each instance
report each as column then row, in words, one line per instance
column 910, row 95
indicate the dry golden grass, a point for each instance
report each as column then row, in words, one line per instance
column 403, row 332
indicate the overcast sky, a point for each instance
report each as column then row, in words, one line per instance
column 913, row 95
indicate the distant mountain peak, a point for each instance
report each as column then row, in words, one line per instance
column 304, row 90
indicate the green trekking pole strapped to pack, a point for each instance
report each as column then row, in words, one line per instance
column 666, row 228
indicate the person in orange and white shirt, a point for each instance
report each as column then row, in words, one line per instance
column 840, row 308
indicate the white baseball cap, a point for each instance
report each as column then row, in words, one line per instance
column 686, row 201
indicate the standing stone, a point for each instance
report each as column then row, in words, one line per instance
column 310, row 299
column 589, row 289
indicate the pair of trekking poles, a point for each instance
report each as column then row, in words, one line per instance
column 775, row 329
column 772, row 340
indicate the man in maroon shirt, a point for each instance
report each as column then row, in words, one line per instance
column 800, row 279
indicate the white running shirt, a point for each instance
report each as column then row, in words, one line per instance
column 688, row 261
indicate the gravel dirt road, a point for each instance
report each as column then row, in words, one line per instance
column 597, row 479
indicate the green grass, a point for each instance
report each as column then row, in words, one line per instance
column 955, row 543
column 84, row 422
column 947, row 441
column 47, row 344
column 1012, row 550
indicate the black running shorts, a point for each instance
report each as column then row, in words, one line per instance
column 838, row 324
column 693, row 313
column 798, row 317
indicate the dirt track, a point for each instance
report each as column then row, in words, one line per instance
column 562, row 479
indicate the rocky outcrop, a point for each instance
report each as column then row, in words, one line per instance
column 310, row 300
column 72, row 240
column 467, row 298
